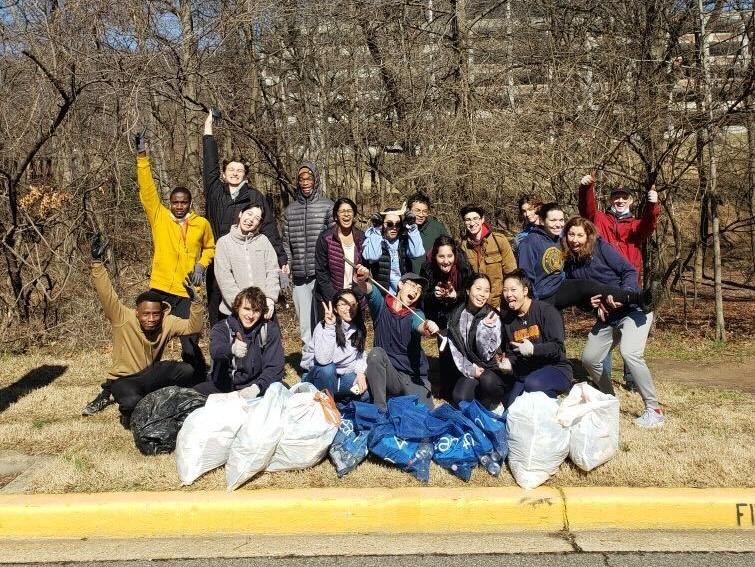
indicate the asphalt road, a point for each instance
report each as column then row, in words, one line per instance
column 515, row 560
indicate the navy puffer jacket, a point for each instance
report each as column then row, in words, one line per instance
column 303, row 221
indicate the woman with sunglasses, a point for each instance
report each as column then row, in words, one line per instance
column 335, row 359
column 390, row 244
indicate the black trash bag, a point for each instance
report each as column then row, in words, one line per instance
column 159, row 415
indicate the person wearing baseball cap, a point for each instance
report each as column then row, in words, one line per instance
column 397, row 365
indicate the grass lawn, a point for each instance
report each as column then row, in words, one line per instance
column 707, row 441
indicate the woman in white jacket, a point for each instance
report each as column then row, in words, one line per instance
column 334, row 358
column 245, row 258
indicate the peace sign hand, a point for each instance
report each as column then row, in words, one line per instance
column 330, row 317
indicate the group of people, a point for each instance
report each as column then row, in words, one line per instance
column 494, row 310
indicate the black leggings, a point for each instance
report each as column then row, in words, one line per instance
column 578, row 293
column 491, row 388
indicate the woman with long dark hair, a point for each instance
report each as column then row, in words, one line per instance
column 588, row 256
column 446, row 272
column 335, row 357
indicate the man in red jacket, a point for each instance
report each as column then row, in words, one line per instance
column 618, row 226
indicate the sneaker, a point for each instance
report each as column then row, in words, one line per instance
column 650, row 419
column 98, row 404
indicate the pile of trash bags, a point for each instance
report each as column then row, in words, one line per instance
column 289, row 429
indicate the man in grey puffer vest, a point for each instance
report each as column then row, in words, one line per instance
column 303, row 221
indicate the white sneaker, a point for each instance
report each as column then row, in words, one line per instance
column 650, row 419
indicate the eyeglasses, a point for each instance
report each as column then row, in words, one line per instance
column 469, row 220
column 391, row 224
column 343, row 212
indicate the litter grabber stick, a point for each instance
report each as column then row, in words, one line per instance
column 443, row 338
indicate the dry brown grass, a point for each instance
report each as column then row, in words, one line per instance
column 707, row 442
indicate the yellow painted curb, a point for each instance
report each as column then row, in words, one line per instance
column 660, row 508
column 301, row 511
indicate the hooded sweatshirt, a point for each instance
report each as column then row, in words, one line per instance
column 541, row 259
column 178, row 245
column 303, row 221
column 243, row 261
column 133, row 349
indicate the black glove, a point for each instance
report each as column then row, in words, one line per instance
column 409, row 219
column 99, row 247
column 197, row 275
column 189, row 287
column 140, row 141
column 376, row 220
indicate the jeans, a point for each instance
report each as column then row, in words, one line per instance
column 634, row 328
column 608, row 368
column 327, row 378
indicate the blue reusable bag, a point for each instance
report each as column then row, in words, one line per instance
column 494, row 428
column 462, row 446
column 349, row 447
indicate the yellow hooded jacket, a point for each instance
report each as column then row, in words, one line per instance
column 178, row 247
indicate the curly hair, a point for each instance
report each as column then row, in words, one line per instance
column 254, row 296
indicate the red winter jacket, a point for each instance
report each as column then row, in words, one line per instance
column 627, row 234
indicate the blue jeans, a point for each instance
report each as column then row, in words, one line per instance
column 326, row 378
column 608, row 369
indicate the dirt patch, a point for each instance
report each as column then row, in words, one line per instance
column 7, row 479
column 730, row 375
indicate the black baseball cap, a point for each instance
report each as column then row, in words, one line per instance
column 621, row 189
column 412, row 277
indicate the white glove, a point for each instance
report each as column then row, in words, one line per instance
column 270, row 308
column 587, row 180
column 239, row 348
column 652, row 196
column 431, row 327
column 525, row 348
column 250, row 393
column 505, row 365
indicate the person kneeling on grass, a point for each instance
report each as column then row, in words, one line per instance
column 533, row 336
column 474, row 336
column 334, row 358
column 397, row 365
column 246, row 349
column 139, row 338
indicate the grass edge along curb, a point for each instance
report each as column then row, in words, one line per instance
column 379, row 511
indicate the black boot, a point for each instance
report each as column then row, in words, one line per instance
column 103, row 400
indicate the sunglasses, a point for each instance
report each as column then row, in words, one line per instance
column 391, row 224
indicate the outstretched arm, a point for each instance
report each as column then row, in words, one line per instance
column 210, row 164
column 587, row 205
column 646, row 227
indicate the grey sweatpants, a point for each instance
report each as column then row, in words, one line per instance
column 304, row 309
column 386, row 382
column 633, row 329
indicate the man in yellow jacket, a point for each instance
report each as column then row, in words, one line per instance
column 139, row 338
column 183, row 243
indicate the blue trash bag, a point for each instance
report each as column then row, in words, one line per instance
column 404, row 439
column 462, row 446
column 494, row 427
column 349, row 447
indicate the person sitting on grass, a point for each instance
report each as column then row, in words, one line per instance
column 474, row 337
column 335, row 359
column 390, row 244
column 246, row 349
column 397, row 365
column 533, row 339
column 139, row 339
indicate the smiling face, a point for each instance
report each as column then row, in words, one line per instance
column 180, row 203
column 479, row 293
column 515, row 295
column 421, row 212
column 306, row 181
column 529, row 213
column 345, row 216
column 621, row 201
column 346, row 307
column 248, row 316
column 445, row 258
column 576, row 238
column 249, row 220
column 409, row 292
column 235, row 172
column 554, row 222
column 391, row 225
column 150, row 315
column 473, row 223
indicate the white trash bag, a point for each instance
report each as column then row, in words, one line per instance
column 310, row 423
column 593, row 421
column 258, row 437
column 204, row 441
column 538, row 444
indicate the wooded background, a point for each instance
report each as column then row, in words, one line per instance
column 466, row 100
